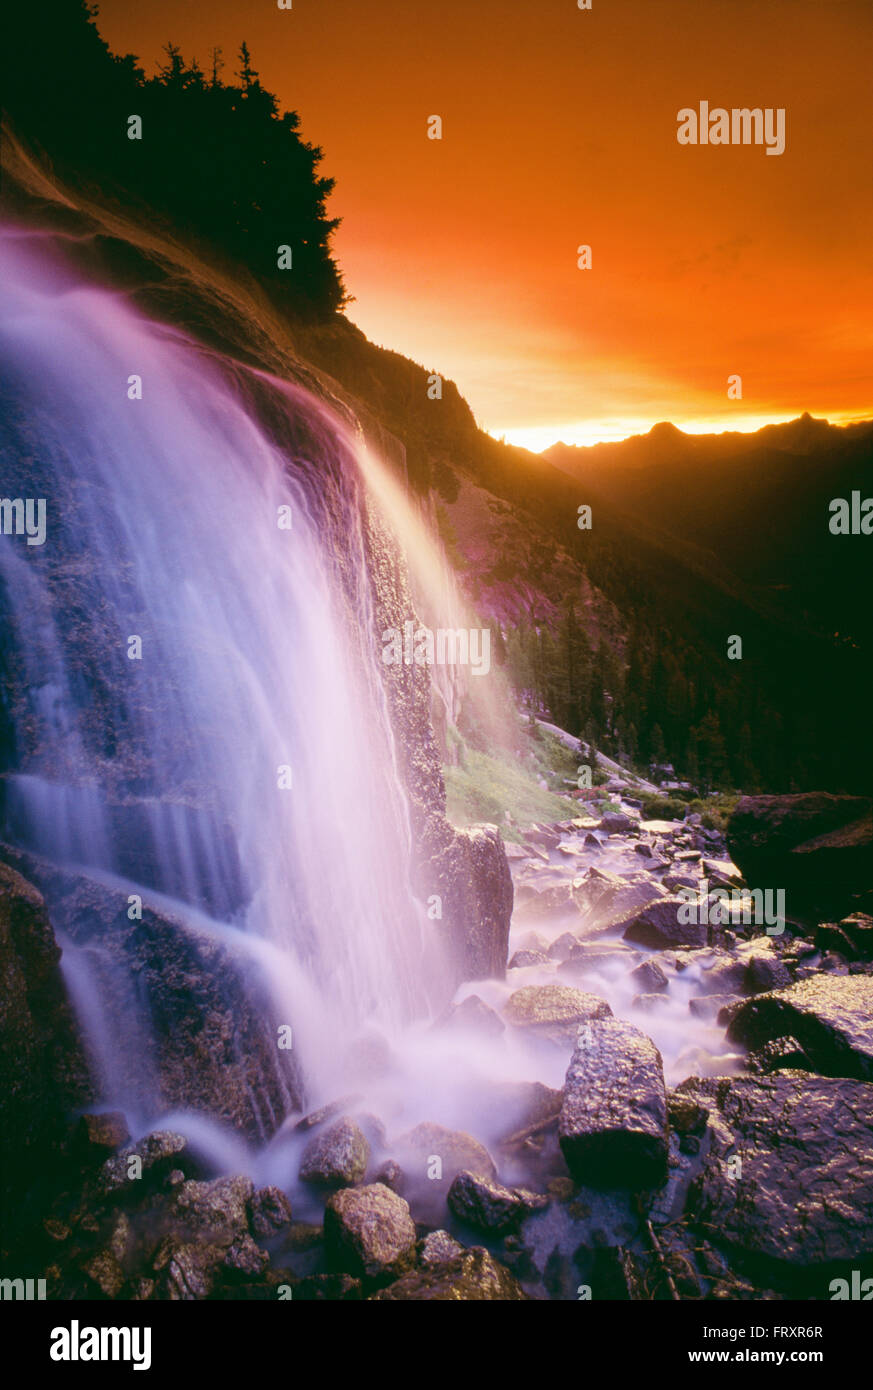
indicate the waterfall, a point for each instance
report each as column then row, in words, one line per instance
column 194, row 709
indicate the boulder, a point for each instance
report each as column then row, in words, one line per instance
column 302, row 1236
column 722, row 972
column 649, row 978
column 188, row 1271
column 514, row 851
column 852, row 937
column 553, row 1011
column 752, row 968
column 665, row 828
column 542, row 899
column 617, row 823
column 97, row 1136
column 486, row 1204
column 709, row 1006
column 544, row 835
column 472, row 877
column 473, row 1276
column 243, row 1257
column 589, row 956
column 534, row 941
column 817, row 846
column 802, row 1202
column 562, row 947
column 439, row 1248
column 830, row 1015
column 613, row 1123
column 605, row 899
column 369, row 1231
column 473, row 1015
column 391, row 1175
column 327, row 1112
column 337, row 1157
column 269, row 1212
column 217, row 1208
column 522, row 959
column 650, row 1003
column 722, row 871
column 764, row 969
column 105, row 1273
column 159, row 1153
column 661, row 925
column 674, row 881
column 781, row 1054
column 455, row 1149
column 517, row 1106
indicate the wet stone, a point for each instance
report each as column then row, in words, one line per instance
column 336, row 1157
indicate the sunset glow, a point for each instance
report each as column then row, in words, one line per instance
column 584, row 433
column 560, row 129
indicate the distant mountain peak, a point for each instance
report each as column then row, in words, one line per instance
column 665, row 429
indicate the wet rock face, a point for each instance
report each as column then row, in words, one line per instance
column 369, row 1231
column 151, row 1229
column 42, row 1067
column 467, row 869
column 613, row 1123
column 211, row 1244
column 473, row 1277
column 816, row 846
column 801, row 1198
column 189, row 1028
column 831, row 1016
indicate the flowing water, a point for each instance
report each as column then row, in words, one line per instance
column 198, row 715
column 237, row 758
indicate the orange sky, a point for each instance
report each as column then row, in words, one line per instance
column 560, row 129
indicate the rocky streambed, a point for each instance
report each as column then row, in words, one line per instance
column 645, row 1107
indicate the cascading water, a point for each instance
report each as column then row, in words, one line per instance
column 195, row 718
column 199, row 716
